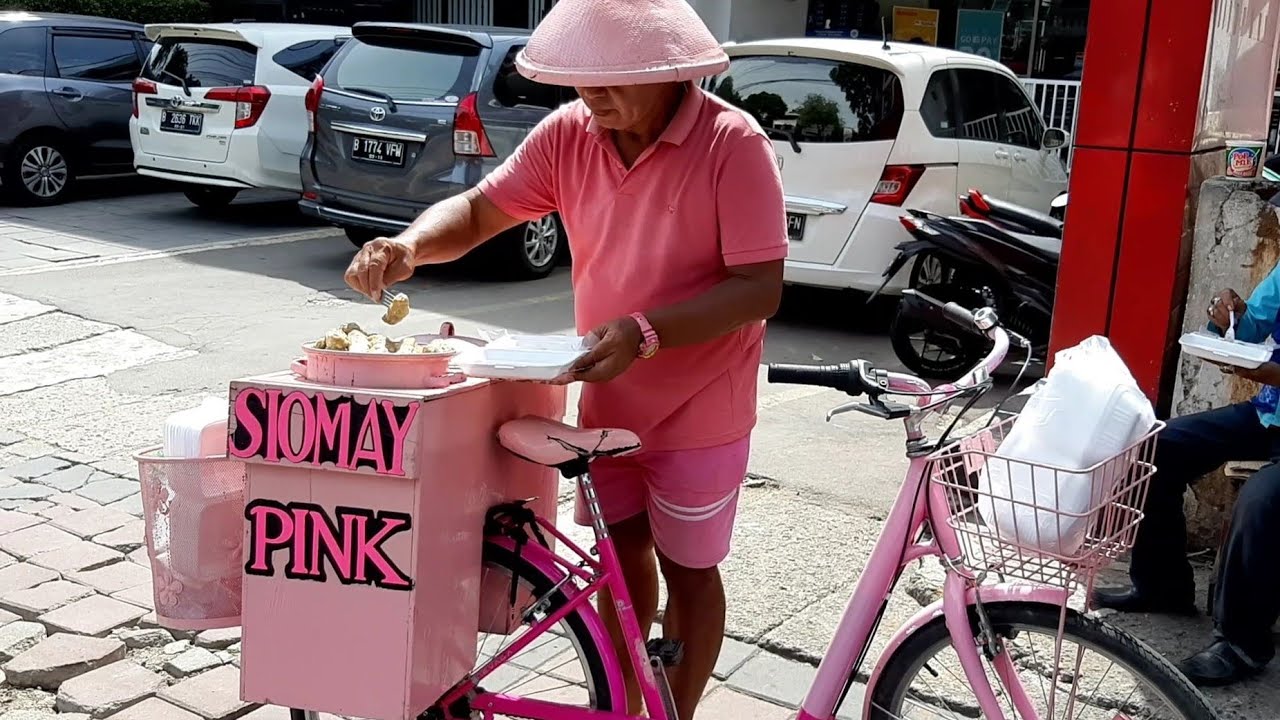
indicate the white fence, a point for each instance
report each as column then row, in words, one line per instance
column 1058, row 101
column 1059, row 104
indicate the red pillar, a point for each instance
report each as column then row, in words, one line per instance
column 1163, row 88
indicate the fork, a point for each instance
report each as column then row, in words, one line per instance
column 387, row 298
column 1230, row 334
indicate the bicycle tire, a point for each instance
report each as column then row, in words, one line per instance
column 1112, row 642
column 605, row 697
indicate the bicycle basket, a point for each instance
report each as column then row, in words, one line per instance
column 1036, row 522
column 193, row 510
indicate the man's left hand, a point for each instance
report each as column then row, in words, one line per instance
column 617, row 345
column 1265, row 374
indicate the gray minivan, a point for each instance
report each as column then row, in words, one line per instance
column 407, row 115
column 65, row 96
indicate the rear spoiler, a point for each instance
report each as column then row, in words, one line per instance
column 193, row 30
column 379, row 30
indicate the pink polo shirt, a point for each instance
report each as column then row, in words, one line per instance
column 707, row 195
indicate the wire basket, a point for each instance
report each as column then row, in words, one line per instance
column 1039, row 523
column 193, row 510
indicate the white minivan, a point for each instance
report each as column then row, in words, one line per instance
column 865, row 129
column 221, row 107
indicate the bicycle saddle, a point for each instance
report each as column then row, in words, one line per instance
column 554, row 444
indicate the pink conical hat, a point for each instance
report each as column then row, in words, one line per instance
column 590, row 43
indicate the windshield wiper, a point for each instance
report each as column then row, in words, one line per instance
column 391, row 102
column 789, row 137
column 181, row 81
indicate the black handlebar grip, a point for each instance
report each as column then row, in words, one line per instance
column 960, row 315
column 839, row 377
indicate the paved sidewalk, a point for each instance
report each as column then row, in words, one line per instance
column 78, row 636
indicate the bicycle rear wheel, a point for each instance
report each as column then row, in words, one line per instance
column 565, row 665
column 1119, row 677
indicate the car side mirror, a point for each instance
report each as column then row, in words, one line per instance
column 1053, row 139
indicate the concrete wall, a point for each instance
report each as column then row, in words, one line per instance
column 743, row 20
column 1236, row 244
column 761, row 19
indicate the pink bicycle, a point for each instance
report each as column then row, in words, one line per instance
column 1006, row 649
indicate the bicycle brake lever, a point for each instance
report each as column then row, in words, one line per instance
column 847, row 407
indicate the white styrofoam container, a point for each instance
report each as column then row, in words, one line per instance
column 1207, row 346
column 522, row 357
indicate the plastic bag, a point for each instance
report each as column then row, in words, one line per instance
column 1088, row 410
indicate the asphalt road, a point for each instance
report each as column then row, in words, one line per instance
column 143, row 305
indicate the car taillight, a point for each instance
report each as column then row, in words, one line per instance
column 250, row 102
column 896, row 183
column 469, row 137
column 312, row 101
column 966, row 209
column 142, row 87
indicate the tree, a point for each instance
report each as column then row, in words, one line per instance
column 817, row 116
column 766, row 107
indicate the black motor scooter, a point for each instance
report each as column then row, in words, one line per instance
column 995, row 254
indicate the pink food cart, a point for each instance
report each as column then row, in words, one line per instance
column 359, row 530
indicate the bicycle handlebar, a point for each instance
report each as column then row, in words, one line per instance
column 860, row 377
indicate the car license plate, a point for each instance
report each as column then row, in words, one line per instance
column 181, row 122
column 795, row 226
column 379, row 152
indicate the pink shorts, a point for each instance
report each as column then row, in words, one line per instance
column 691, row 497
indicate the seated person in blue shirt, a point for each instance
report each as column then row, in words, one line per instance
column 1247, row 600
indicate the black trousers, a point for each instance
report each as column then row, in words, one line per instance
column 1248, row 592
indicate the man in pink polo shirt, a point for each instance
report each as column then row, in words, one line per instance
column 674, row 210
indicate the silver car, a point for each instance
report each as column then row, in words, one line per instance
column 407, row 115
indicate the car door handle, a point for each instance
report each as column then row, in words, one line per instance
column 69, row 93
column 1001, row 154
column 1019, row 157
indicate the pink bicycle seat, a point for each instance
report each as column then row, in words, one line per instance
column 553, row 444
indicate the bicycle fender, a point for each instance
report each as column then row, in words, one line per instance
column 991, row 594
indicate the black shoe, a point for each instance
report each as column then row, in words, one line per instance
column 1217, row 665
column 1130, row 601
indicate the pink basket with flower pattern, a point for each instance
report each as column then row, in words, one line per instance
column 194, row 514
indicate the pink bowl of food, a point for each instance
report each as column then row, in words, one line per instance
column 349, row 357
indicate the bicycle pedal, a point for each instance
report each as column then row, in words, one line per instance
column 668, row 652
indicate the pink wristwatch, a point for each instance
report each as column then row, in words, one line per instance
column 649, row 346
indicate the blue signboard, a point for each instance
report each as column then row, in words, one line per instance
column 979, row 32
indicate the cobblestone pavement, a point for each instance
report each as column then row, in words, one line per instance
column 79, row 637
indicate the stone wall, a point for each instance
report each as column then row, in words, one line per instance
column 1237, row 243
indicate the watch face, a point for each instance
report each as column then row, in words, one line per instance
column 648, row 350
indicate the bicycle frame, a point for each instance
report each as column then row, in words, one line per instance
column 898, row 545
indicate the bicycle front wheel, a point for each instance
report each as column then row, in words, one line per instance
column 1102, row 673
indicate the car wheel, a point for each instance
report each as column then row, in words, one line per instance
column 360, row 236
column 39, row 172
column 208, row 197
column 532, row 251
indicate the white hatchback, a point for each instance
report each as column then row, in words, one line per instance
column 221, row 107
column 865, row 129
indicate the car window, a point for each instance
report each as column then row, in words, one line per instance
column 815, row 100
column 1021, row 123
column 979, row 102
column 202, row 62
column 307, row 59
column 515, row 90
column 937, row 108
column 100, row 59
column 22, row 51
column 406, row 69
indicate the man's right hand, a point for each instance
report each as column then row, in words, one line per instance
column 380, row 264
column 1222, row 305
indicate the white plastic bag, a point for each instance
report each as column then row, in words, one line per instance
column 1087, row 411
